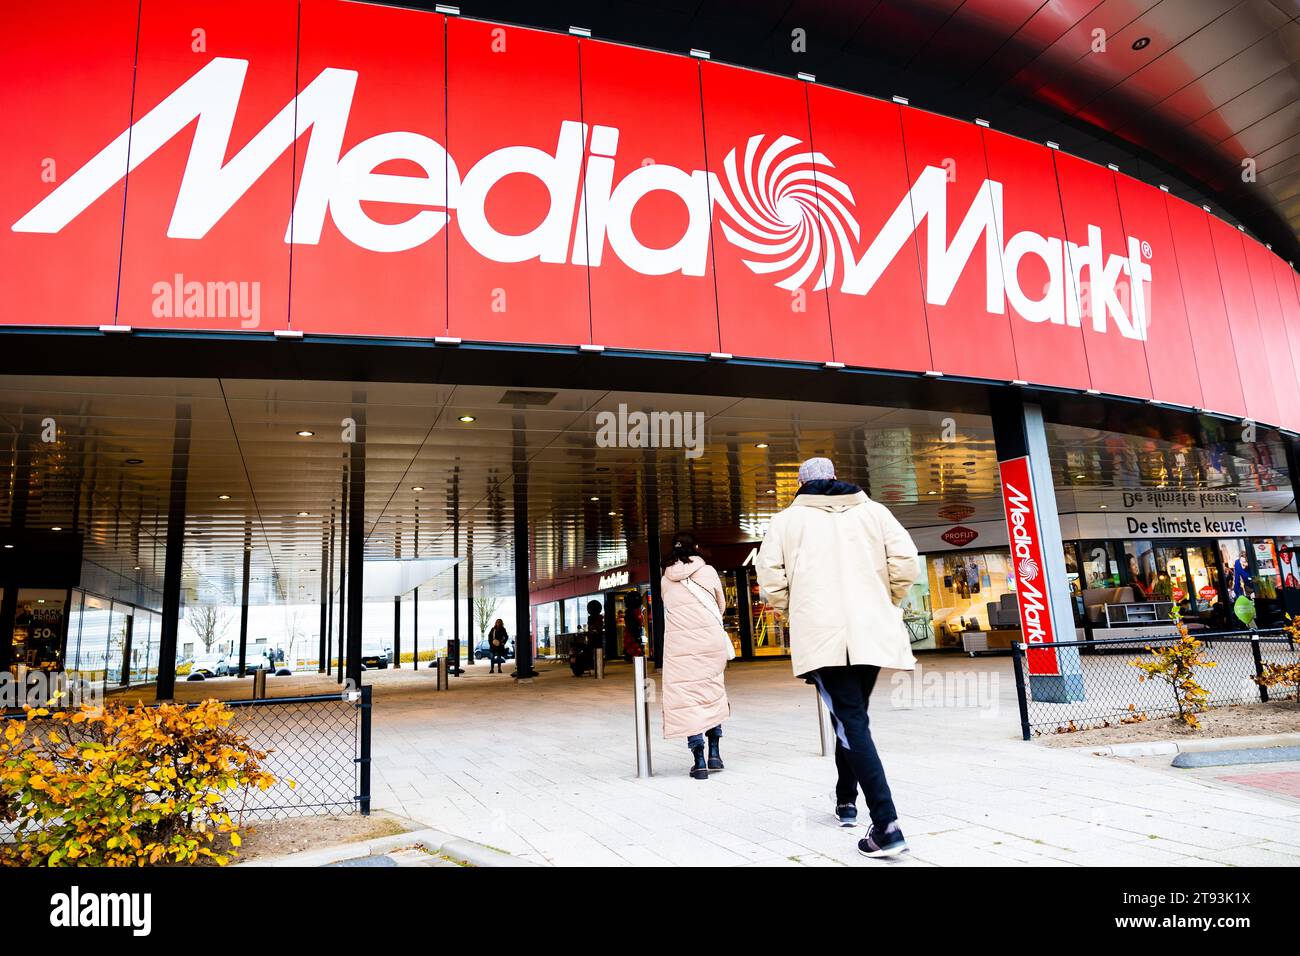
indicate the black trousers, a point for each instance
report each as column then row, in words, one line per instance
column 846, row 692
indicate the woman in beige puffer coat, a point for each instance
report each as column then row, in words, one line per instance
column 696, row 650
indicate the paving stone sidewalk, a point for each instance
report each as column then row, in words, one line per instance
column 544, row 770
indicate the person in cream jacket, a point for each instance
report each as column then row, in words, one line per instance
column 839, row 564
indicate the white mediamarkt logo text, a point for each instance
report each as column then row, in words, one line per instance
column 775, row 217
column 1033, row 604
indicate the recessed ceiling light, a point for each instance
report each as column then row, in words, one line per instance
column 1103, row 507
column 417, row 487
column 224, row 497
column 1141, row 43
column 56, row 528
column 137, row 567
column 761, row 444
column 595, row 497
column 1077, row 477
column 932, row 492
column 612, row 513
column 466, row 419
column 135, row 461
column 771, row 491
column 305, row 433
column 9, row 547
column 304, row 514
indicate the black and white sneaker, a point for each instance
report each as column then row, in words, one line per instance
column 847, row 814
column 882, row 843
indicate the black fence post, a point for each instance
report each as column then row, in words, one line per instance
column 363, row 758
column 1018, row 662
column 1259, row 667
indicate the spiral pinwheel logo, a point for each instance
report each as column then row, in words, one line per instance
column 784, row 208
column 1028, row 569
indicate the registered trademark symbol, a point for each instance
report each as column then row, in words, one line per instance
column 1146, row 249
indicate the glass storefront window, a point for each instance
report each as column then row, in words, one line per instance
column 1140, row 569
column 1288, row 562
column 1236, row 568
column 38, row 629
column 1206, row 584
column 1098, row 566
column 771, row 633
column 92, row 654
column 917, row 616
column 1171, row 582
column 966, row 591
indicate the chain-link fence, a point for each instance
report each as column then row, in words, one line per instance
column 317, row 748
column 1104, row 690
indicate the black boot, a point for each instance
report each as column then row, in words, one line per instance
column 715, row 758
column 701, row 770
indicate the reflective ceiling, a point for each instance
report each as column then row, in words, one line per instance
column 1179, row 92
column 438, row 486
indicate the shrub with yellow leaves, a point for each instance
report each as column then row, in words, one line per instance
column 1176, row 664
column 1283, row 675
column 125, row 785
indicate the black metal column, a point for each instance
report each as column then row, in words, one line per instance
column 22, row 470
column 454, row 663
column 470, row 617
column 523, row 616
column 415, row 629
column 343, row 571
column 324, row 602
column 653, row 558
column 356, row 540
column 329, row 604
column 744, row 612
column 172, row 560
column 397, row 632
column 243, row 600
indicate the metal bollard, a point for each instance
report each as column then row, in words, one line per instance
column 443, row 667
column 641, row 708
column 259, row 684
column 825, row 729
column 598, row 657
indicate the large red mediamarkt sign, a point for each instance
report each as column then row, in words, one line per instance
column 1028, row 566
column 341, row 168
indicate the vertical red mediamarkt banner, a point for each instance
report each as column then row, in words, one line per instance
column 1207, row 319
column 1172, row 360
column 768, row 233
column 647, row 200
column 1049, row 350
column 1272, row 327
column 966, row 338
column 362, row 266
column 514, row 132
column 1284, row 277
column 877, row 321
column 1243, row 323
column 65, row 67
column 1112, row 335
column 1020, row 507
column 212, row 255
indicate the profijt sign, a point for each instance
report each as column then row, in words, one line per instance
column 1028, row 566
column 369, row 170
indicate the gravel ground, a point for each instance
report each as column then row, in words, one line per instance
column 1276, row 717
column 278, row 837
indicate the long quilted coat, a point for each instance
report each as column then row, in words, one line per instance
column 695, row 651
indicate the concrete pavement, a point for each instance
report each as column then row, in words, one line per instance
column 545, row 770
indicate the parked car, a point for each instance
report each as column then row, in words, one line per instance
column 209, row 665
column 375, row 659
column 483, row 651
